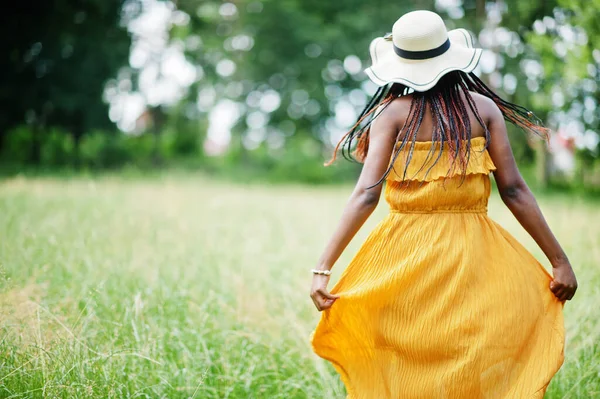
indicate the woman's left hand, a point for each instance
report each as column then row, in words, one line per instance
column 319, row 293
column 564, row 284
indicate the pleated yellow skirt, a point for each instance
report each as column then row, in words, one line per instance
column 440, row 301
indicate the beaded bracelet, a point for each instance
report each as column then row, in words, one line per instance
column 323, row 272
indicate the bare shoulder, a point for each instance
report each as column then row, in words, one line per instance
column 486, row 107
column 395, row 112
column 401, row 105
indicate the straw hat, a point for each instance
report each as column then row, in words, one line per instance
column 419, row 51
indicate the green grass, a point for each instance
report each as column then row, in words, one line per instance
column 185, row 287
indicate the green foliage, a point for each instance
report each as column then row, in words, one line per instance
column 17, row 145
column 57, row 148
column 573, row 71
column 182, row 138
column 301, row 160
column 101, row 150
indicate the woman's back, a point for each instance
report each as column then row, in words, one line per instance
column 401, row 106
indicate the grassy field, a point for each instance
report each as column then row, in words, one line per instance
column 184, row 287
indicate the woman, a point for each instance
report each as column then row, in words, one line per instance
column 440, row 301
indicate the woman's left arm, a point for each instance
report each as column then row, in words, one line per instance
column 362, row 201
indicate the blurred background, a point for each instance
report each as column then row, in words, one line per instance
column 135, row 261
column 264, row 89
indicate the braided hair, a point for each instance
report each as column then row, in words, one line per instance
column 451, row 122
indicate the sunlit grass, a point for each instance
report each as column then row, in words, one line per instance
column 186, row 287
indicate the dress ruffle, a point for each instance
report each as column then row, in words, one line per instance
column 425, row 165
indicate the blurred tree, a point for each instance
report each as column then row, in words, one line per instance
column 289, row 64
column 567, row 44
column 60, row 54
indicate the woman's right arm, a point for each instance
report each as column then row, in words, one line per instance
column 518, row 198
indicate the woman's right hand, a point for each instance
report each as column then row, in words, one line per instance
column 319, row 294
column 564, row 284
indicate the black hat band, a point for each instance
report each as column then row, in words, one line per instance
column 422, row 55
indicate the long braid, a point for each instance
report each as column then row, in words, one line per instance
column 460, row 110
column 515, row 114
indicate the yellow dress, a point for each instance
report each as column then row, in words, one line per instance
column 440, row 301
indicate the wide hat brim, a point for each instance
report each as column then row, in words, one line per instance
column 421, row 75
